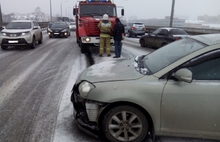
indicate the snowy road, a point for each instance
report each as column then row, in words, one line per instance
column 35, row 88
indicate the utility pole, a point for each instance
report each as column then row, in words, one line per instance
column 171, row 16
column 1, row 22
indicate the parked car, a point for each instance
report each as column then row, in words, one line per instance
column 173, row 91
column 21, row 33
column 72, row 26
column 59, row 29
column 135, row 29
column 161, row 37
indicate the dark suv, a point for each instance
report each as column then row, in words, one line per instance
column 135, row 29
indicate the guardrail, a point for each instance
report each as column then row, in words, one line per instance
column 191, row 31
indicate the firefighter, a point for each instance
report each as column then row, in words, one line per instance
column 105, row 28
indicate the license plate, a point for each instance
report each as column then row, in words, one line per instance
column 56, row 33
column 12, row 41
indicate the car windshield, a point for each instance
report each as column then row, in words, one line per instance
column 72, row 23
column 177, row 32
column 97, row 10
column 170, row 53
column 18, row 25
column 58, row 25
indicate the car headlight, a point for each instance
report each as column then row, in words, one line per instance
column 4, row 34
column 84, row 88
column 24, row 34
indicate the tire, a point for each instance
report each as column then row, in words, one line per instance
column 33, row 44
column 40, row 41
column 129, row 34
column 83, row 47
column 116, row 128
column 142, row 42
column 164, row 44
column 4, row 47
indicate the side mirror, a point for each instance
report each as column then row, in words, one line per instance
column 35, row 27
column 74, row 11
column 122, row 12
column 184, row 75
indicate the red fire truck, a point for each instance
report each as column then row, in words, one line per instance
column 88, row 13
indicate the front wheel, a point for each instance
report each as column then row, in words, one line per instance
column 40, row 41
column 33, row 44
column 142, row 42
column 125, row 123
column 4, row 47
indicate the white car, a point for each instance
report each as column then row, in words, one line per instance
column 72, row 26
column 21, row 33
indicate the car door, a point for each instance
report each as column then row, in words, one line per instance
column 160, row 38
column 193, row 108
column 37, row 30
column 151, row 37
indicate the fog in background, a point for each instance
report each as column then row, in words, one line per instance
column 140, row 9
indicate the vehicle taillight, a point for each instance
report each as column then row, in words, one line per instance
column 132, row 28
column 177, row 38
column 144, row 28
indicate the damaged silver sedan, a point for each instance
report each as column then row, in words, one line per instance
column 174, row 91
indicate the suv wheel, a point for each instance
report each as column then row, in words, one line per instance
column 142, row 42
column 33, row 44
column 129, row 34
column 4, row 47
column 41, row 39
column 125, row 123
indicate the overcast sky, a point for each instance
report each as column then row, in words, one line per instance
column 133, row 8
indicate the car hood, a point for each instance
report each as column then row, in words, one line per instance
column 15, row 30
column 122, row 69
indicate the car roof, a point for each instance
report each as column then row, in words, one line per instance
column 169, row 28
column 209, row 39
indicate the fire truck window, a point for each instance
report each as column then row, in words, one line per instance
column 97, row 10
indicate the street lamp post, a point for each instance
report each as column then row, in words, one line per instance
column 61, row 7
column 50, row 11
column 172, row 11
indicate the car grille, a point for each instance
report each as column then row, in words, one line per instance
column 13, row 34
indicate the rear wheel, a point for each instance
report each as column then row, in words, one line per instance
column 4, row 47
column 125, row 123
column 129, row 34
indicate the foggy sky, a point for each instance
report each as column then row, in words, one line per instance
column 133, row 8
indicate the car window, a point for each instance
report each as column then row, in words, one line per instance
column 139, row 24
column 58, row 25
column 170, row 53
column 177, row 32
column 163, row 32
column 18, row 25
column 206, row 67
column 156, row 32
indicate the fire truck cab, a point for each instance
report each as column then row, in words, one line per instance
column 88, row 14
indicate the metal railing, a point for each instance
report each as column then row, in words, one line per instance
column 191, row 31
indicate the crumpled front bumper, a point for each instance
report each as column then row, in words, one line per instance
column 82, row 117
